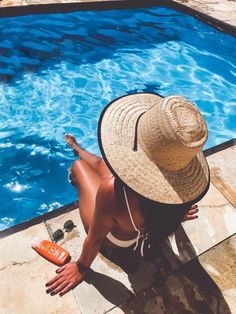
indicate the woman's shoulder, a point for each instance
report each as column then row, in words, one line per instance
column 109, row 194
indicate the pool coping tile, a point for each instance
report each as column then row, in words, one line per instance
column 223, row 173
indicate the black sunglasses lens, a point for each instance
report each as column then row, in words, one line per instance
column 69, row 225
column 57, row 235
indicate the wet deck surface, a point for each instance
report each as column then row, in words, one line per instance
column 196, row 272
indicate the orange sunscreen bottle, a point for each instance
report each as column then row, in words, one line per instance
column 51, row 251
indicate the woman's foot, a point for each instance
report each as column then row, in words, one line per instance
column 73, row 144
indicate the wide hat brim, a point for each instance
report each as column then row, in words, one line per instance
column 116, row 132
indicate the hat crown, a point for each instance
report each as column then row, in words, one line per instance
column 189, row 125
column 172, row 133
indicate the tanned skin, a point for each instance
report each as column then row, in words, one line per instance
column 101, row 211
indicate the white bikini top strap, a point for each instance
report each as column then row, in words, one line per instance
column 131, row 218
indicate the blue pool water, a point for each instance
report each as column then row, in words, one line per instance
column 58, row 71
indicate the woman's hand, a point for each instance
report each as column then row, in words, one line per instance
column 192, row 213
column 68, row 277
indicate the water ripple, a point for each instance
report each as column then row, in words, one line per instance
column 58, row 71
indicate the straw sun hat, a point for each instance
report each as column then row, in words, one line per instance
column 153, row 145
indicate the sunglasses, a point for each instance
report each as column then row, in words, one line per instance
column 59, row 234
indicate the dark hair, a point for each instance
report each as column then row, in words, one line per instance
column 162, row 219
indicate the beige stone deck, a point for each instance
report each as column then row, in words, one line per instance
column 195, row 274
column 224, row 10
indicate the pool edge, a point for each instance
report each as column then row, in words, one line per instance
column 37, row 220
column 72, row 206
column 48, row 8
column 217, row 148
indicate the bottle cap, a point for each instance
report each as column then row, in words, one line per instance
column 36, row 241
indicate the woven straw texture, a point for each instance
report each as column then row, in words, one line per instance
column 168, row 165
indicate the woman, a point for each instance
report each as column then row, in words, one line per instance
column 152, row 173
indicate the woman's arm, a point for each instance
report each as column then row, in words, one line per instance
column 101, row 223
column 69, row 275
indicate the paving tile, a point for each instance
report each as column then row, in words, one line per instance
column 217, row 9
column 205, row 285
column 11, row 3
column 216, row 222
column 231, row 21
column 23, row 274
column 223, row 172
column 220, row 264
column 63, row 1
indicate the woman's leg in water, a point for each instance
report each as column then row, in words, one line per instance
column 87, row 181
column 95, row 162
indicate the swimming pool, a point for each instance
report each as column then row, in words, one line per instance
column 58, row 71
